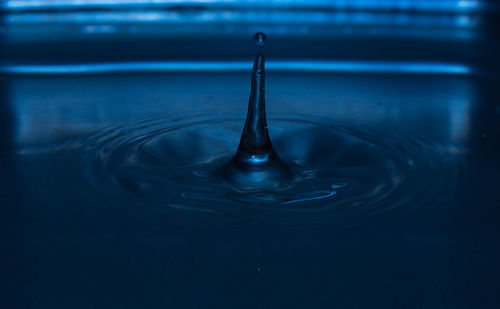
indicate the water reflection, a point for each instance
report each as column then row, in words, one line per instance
column 386, row 67
column 400, row 257
column 54, row 108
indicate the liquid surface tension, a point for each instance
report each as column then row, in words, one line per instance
column 313, row 165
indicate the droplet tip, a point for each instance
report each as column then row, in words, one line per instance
column 260, row 39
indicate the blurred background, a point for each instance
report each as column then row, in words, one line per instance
column 458, row 33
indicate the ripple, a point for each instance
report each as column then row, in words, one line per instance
column 340, row 169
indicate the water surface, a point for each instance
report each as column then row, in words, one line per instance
column 108, row 194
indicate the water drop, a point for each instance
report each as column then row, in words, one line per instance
column 313, row 167
column 256, row 162
column 260, row 39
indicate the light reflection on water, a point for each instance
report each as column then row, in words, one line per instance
column 50, row 107
column 388, row 67
column 61, row 233
column 135, row 152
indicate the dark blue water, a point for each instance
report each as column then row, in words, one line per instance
column 109, row 199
